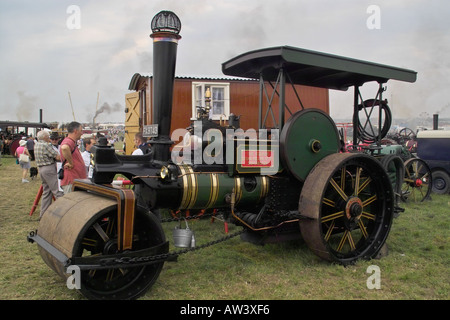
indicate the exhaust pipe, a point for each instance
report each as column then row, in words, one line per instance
column 165, row 27
column 435, row 121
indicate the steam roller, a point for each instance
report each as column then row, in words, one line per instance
column 295, row 183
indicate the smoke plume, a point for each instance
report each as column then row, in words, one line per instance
column 26, row 106
column 108, row 109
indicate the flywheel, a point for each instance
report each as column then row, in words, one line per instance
column 348, row 203
column 307, row 137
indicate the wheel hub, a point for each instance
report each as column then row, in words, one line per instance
column 353, row 212
column 439, row 184
column 110, row 247
column 353, row 208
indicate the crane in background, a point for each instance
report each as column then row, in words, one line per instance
column 73, row 112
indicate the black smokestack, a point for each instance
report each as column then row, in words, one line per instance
column 435, row 121
column 40, row 116
column 165, row 27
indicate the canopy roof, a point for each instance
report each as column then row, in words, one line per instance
column 26, row 124
column 312, row 68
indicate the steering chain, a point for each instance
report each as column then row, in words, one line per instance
column 144, row 260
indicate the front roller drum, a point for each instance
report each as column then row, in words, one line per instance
column 348, row 204
column 82, row 224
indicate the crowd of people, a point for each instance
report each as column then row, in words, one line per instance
column 50, row 153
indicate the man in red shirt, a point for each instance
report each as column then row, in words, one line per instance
column 71, row 157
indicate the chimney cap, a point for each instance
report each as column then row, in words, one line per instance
column 166, row 21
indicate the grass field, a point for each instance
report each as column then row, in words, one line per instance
column 417, row 266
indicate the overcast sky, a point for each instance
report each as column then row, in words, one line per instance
column 44, row 56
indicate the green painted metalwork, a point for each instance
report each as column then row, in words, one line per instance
column 312, row 68
column 205, row 190
column 308, row 137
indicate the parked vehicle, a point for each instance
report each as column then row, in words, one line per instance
column 433, row 146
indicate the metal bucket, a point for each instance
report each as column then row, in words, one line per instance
column 183, row 238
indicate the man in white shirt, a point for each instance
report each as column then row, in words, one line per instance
column 140, row 142
column 86, row 154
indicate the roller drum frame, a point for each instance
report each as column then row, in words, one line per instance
column 82, row 224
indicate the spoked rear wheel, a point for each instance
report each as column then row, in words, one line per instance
column 349, row 202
